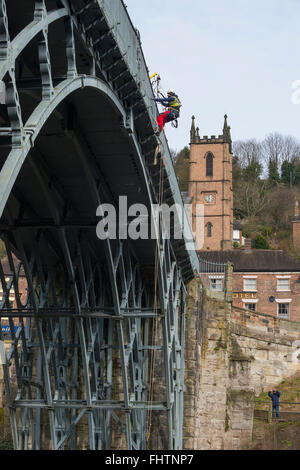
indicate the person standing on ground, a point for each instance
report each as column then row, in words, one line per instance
column 274, row 395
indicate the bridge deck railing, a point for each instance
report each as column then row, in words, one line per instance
column 213, row 275
column 288, row 410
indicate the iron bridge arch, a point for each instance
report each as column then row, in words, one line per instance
column 97, row 342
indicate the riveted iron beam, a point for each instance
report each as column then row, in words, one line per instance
column 64, row 337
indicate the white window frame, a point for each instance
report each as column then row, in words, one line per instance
column 250, row 278
column 219, row 278
column 284, row 278
column 236, row 236
column 248, row 303
column 281, row 315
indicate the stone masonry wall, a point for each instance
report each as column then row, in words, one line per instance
column 232, row 354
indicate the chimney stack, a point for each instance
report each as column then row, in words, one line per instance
column 247, row 245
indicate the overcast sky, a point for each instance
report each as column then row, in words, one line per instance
column 238, row 57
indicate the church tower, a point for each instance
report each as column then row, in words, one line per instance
column 210, row 184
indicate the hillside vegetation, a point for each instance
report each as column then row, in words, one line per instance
column 182, row 168
column 266, row 183
column 2, row 250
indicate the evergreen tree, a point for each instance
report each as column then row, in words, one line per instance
column 260, row 242
column 252, row 171
column 287, row 172
column 297, row 172
column 273, row 172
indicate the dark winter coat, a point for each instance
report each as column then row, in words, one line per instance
column 274, row 397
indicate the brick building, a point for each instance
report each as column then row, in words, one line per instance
column 21, row 289
column 210, row 184
column 267, row 281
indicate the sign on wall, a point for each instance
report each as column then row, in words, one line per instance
column 244, row 295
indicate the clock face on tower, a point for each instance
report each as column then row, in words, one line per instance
column 209, row 198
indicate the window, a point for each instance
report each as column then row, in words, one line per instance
column 209, row 164
column 250, row 307
column 209, row 229
column 283, row 284
column 216, row 283
column 249, row 285
column 284, row 310
column 236, row 236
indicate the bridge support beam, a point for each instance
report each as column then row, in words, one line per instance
column 65, row 355
column 94, row 323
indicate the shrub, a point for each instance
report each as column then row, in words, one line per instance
column 267, row 231
column 260, row 242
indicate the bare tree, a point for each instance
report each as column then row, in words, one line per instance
column 278, row 148
column 249, row 152
column 174, row 155
column 255, row 198
column 291, row 149
column 277, row 213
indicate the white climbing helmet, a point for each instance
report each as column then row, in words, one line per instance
column 171, row 92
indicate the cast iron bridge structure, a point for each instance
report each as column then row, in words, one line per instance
column 98, row 339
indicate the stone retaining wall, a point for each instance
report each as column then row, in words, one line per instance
column 232, row 355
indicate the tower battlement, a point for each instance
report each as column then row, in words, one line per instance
column 224, row 138
column 220, row 139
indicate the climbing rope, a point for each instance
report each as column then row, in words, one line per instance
column 159, row 92
column 155, row 320
column 156, row 85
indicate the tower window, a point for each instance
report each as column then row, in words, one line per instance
column 209, row 164
column 209, row 229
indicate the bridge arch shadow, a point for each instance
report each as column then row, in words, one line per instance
column 99, row 337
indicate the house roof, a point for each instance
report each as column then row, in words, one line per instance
column 254, row 260
column 237, row 225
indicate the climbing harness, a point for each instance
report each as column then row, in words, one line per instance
column 160, row 93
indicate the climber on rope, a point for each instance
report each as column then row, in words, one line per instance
column 172, row 102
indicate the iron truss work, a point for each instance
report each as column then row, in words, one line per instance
column 98, row 317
